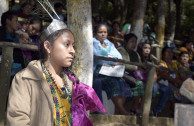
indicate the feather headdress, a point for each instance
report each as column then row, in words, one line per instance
column 55, row 25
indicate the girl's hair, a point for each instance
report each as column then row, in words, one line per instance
column 164, row 50
column 35, row 20
column 127, row 37
column 51, row 38
column 140, row 51
column 97, row 26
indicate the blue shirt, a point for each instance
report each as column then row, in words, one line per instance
column 110, row 51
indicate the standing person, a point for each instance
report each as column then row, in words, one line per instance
column 47, row 93
column 116, row 89
column 128, row 53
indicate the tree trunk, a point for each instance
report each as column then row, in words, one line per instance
column 138, row 18
column 80, row 23
column 171, row 18
column 120, row 10
column 160, row 28
column 178, row 17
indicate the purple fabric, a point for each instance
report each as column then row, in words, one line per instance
column 140, row 75
column 84, row 98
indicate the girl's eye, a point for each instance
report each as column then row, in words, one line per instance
column 66, row 44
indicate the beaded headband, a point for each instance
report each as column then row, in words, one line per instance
column 55, row 25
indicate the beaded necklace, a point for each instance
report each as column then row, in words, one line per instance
column 52, row 84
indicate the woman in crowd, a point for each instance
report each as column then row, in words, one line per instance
column 29, row 32
column 115, row 87
column 144, row 50
column 128, row 53
column 116, row 33
column 169, row 82
column 47, row 93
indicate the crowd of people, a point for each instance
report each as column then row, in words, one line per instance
column 129, row 88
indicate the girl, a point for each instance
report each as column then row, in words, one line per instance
column 47, row 93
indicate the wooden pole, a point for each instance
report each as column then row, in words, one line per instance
column 148, row 97
column 80, row 23
column 5, row 75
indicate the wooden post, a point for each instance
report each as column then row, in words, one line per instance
column 148, row 97
column 80, row 23
column 5, row 75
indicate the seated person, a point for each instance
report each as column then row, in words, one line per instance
column 29, row 33
column 183, row 64
column 25, row 11
column 169, row 82
column 128, row 53
column 59, row 10
column 126, row 29
column 144, row 50
column 116, row 33
column 9, row 21
column 17, row 6
column 188, row 46
column 116, row 89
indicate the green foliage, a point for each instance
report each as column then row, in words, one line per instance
column 187, row 20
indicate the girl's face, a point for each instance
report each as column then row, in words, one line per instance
column 62, row 52
column 101, row 34
column 168, row 54
column 184, row 59
column 33, row 29
column 131, row 44
column 146, row 49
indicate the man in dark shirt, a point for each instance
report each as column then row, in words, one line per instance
column 9, row 21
